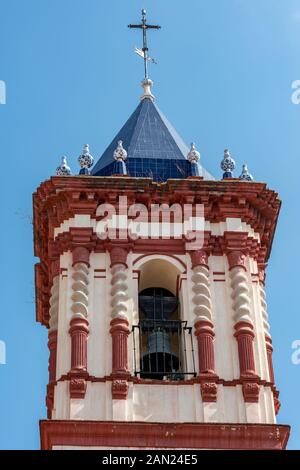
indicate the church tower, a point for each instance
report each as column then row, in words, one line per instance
column 151, row 284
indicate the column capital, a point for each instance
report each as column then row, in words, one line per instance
column 118, row 255
column 236, row 259
column 81, row 254
column 235, row 247
column 199, row 258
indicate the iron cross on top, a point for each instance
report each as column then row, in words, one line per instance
column 144, row 26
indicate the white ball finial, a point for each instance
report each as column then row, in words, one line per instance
column 193, row 156
column 147, row 83
column 85, row 160
column 63, row 169
column 120, row 153
column 227, row 165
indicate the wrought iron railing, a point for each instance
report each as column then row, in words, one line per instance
column 163, row 350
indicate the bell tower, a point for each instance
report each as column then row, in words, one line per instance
column 151, row 284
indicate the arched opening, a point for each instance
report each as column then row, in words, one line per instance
column 162, row 335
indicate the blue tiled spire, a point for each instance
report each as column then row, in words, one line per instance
column 154, row 149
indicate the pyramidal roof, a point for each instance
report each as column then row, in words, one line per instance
column 154, row 149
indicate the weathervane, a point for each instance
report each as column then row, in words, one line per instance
column 144, row 51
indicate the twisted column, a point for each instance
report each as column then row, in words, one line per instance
column 79, row 324
column 52, row 336
column 203, row 325
column 268, row 339
column 119, row 325
column 243, row 324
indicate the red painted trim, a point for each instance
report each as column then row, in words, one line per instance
column 151, row 382
column 109, row 434
column 120, row 372
column 79, row 334
column 245, row 335
column 205, row 336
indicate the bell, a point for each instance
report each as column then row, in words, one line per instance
column 159, row 360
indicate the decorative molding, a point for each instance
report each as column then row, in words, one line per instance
column 77, row 387
column 256, row 205
column 119, row 389
column 209, row 390
column 251, row 392
column 109, row 434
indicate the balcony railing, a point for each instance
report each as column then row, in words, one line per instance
column 163, row 350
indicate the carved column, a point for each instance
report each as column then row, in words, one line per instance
column 203, row 325
column 79, row 323
column 52, row 336
column 243, row 324
column 119, row 325
column 268, row 339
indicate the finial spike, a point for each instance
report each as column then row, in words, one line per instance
column 144, row 52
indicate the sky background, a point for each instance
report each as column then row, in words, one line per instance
column 223, row 79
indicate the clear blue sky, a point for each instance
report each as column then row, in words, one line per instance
column 223, row 79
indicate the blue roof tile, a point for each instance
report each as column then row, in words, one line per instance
column 149, row 140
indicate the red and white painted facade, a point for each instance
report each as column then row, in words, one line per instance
column 87, row 295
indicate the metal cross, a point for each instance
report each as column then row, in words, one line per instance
column 144, row 26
